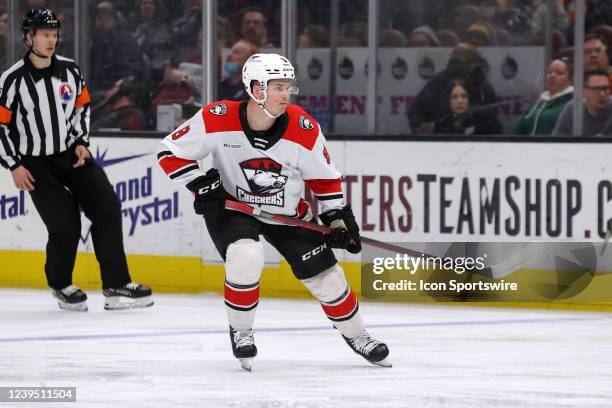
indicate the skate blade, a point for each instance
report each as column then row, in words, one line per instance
column 122, row 302
column 246, row 363
column 73, row 307
column 382, row 363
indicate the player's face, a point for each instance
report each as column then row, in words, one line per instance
column 459, row 100
column 44, row 41
column 278, row 95
column 557, row 77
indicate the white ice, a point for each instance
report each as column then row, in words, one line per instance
column 177, row 354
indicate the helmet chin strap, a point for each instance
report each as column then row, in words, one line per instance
column 261, row 103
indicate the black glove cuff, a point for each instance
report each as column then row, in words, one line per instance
column 330, row 216
column 345, row 213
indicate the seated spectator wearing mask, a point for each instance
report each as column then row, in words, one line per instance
column 541, row 117
column 464, row 120
column 231, row 88
column 597, row 113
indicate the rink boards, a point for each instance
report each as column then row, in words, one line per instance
column 400, row 191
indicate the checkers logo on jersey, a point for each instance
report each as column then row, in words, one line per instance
column 305, row 123
column 266, row 182
column 219, row 109
column 66, row 92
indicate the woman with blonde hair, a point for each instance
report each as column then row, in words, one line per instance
column 541, row 117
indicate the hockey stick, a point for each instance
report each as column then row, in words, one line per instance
column 282, row 219
column 501, row 268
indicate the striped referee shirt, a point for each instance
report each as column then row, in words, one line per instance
column 42, row 111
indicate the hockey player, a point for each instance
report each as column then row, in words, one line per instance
column 263, row 151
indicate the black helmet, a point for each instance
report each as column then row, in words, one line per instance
column 39, row 18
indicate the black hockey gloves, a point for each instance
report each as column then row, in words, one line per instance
column 345, row 231
column 209, row 194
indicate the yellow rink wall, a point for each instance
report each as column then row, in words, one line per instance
column 166, row 274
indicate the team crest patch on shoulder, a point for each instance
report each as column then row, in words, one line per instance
column 305, row 123
column 219, row 109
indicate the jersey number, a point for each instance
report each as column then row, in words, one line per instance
column 180, row 132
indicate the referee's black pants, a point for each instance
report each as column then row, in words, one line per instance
column 59, row 190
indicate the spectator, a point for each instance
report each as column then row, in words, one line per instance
column 448, row 38
column 515, row 17
column 423, row 36
column 232, row 88
column 254, row 27
column 460, row 18
column 605, row 34
column 153, row 35
column 185, row 29
column 464, row 120
column 431, row 103
column 113, row 54
column 596, row 55
column 597, row 113
column 314, row 36
column 122, row 107
column 541, row 117
column 353, row 34
column 560, row 19
column 178, row 86
column 481, row 34
column 391, row 38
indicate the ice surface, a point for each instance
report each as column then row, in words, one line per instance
column 178, row 354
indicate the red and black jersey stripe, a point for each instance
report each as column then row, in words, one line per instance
column 174, row 166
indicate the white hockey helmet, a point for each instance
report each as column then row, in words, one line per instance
column 263, row 68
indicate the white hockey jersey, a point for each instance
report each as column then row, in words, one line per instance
column 267, row 171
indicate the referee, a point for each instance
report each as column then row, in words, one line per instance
column 44, row 126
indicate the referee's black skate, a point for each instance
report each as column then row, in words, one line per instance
column 243, row 347
column 376, row 352
column 71, row 298
column 129, row 296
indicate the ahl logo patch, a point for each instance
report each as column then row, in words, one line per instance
column 219, row 109
column 305, row 123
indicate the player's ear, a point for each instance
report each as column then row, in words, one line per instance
column 256, row 89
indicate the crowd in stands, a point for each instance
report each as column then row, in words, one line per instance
column 147, row 53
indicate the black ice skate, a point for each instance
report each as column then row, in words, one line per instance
column 129, row 296
column 243, row 347
column 374, row 351
column 71, row 298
